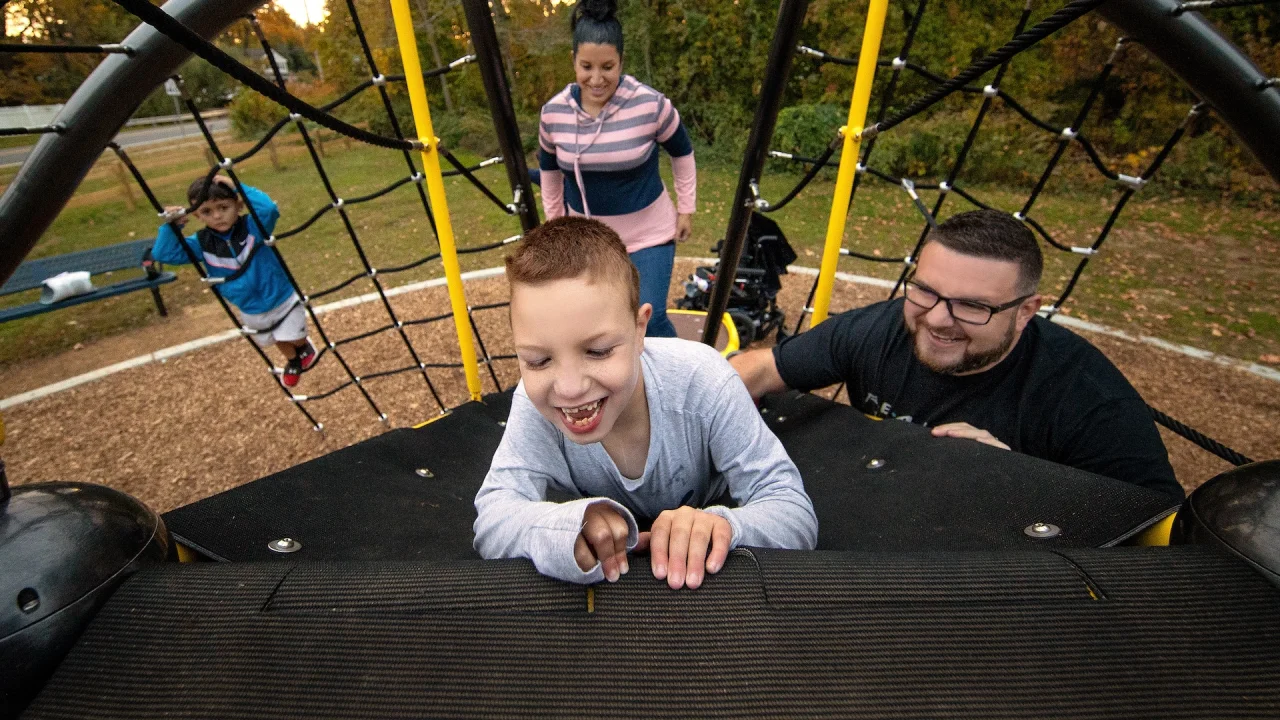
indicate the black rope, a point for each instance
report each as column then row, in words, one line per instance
column 180, row 34
column 1215, row 5
column 340, row 205
column 191, row 257
column 94, row 49
column 1204, row 441
column 1043, row 29
column 466, row 172
column 490, row 306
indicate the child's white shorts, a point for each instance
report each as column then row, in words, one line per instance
column 287, row 322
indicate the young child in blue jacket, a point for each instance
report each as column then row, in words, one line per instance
column 247, row 271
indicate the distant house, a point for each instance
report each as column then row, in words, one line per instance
column 257, row 58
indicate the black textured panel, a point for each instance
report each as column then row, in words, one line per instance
column 407, row 587
column 1180, row 632
column 944, row 493
column 364, row 502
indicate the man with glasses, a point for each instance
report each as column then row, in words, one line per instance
column 965, row 354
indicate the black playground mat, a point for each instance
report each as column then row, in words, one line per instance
column 369, row 502
column 1171, row 632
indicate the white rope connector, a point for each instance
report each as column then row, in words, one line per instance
column 909, row 261
column 491, row 161
column 270, row 241
column 299, row 398
column 782, row 155
column 807, row 311
column 399, row 324
column 805, row 50
column 756, row 201
column 990, row 91
column 373, row 271
column 516, row 205
column 226, row 163
column 462, row 61
column 249, row 331
column 379, row 80
column 417, row 177
column 844, row 251
column 898, row 63
column 382, row 417
column 1134, row 183
column 296, row 117
column 1069, row 134
column 319, row 427
column 422, row 366
column 944, row 186
column 170, row 215
column 306, row 300
column 338, row 203
column 859, row 168
column 356, row 379
column 212, row 280
column 1019, row 216
column 1049, row 310
column 1086, row 251
column 332, row 346
column 513, row 238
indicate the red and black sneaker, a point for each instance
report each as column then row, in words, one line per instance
column 307, row 355
column 292, row 371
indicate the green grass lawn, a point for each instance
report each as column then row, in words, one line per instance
column 1196, row 272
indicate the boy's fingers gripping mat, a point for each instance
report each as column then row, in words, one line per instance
column 1177, row 632
column 408, row 494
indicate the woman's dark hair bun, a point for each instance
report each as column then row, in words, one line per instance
column 598, row 10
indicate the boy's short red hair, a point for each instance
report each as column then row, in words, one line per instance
column 569, row 247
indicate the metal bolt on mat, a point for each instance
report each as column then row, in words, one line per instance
column 284, row 545
column 1042, row 530
column 424, row 473
column 876, row 464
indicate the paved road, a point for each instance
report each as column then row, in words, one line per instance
column 130, row 138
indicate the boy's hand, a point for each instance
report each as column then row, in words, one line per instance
column 686, row 541
column 224, row 180
column 603, row 539
column 175, row 214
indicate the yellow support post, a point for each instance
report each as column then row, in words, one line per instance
column 435, row 189
column 852, row 132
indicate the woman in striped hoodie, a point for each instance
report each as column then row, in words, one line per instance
column 598, row 154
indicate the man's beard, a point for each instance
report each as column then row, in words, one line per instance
column 969, row 361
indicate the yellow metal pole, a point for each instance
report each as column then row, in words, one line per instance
column 435, row 189
column 852, row 132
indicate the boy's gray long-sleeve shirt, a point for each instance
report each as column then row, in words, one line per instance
column 705, row 434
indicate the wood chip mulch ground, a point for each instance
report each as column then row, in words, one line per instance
column 207, row 421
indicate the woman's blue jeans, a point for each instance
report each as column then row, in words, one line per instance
column 654, row 264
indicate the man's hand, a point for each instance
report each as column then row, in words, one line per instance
column 684, row 227
column 965, row 430
column 685, row 542
column 175, row 214
column 603, row 539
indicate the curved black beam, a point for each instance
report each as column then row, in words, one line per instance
column 92, row 117
column 1215, row 69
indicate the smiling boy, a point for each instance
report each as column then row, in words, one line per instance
column 636, row 429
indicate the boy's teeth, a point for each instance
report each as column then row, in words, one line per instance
column 581, row 414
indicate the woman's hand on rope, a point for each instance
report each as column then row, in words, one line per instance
column 686, row 542
column 603, row 539
column 684, row 226
column 965, row 430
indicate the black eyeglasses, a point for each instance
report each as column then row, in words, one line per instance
column 971, row 312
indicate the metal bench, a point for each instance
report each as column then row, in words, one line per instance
column 121, row 256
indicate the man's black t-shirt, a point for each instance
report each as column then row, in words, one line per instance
column 1054, row 396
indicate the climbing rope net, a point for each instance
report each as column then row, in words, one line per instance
column 297, row 114
column 993, row 97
